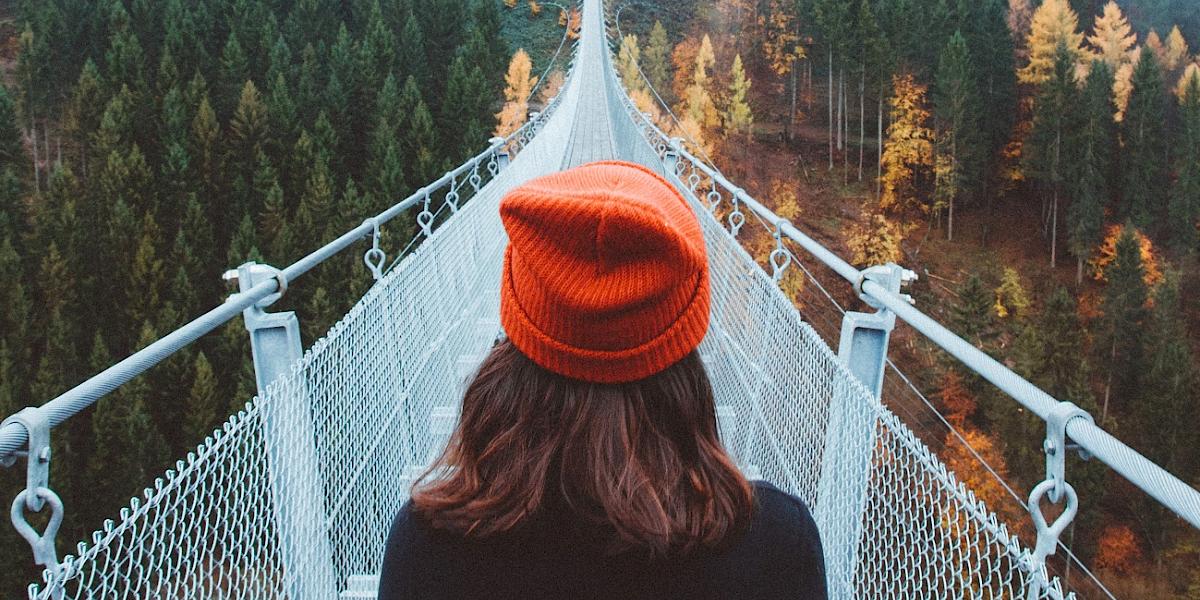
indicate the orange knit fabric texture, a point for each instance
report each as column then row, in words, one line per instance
column 605, row 274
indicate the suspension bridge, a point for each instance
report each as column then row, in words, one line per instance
column 293, row 495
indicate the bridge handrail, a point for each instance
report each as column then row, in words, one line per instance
column 14, row 437
column 1160, row 484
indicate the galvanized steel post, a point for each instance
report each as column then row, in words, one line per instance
column 295, row 477
column 850, row 437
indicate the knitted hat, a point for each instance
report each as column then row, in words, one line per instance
column 605, row 274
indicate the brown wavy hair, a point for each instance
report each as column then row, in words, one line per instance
column 640, row 462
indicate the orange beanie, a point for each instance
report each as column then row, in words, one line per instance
column 605, row 274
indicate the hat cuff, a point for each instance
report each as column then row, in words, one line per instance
column 606, row 366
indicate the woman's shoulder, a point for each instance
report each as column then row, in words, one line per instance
column 781, row 519
column 778, row 505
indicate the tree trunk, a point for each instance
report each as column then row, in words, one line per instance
column 879, row 145
column 954, row 192
column 37, row 172
column 1078, row 271
column 791, row 131
column 831, row 123
column 839, row 109
column 1054, row 231
column 862, row 138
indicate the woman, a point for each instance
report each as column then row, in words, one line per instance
column 586, row 463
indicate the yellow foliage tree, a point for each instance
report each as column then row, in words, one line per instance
column 1112, row 38
column 1108, row 252
column 1192, row 70
column 573, row 24
column 784, row 195
column 1053, row 23
column 1155, row 43
column 908, row 147
column 554, row 82
column 535, row 9
column 1011, row 297
column 627, row 63
column 738, row 118
column 518, row 86
column 1176, row 52
column 698, row 102
column 562, row 18
column 1122, row 87
column 875, row 243
column 510, row 3
column 781, row 40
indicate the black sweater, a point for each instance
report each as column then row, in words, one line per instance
column 777, row 556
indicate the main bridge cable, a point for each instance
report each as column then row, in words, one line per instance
column 1148, row 476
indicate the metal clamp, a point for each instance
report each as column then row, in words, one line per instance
column 890, row 276
column 37, row 472
column 375, row 257
column 253, row 273
column 1056, row 445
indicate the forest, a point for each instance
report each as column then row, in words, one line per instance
column 1037, row 162
column 149, row 145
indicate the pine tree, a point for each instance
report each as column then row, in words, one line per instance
column 204, row 406
column 972, row 314
column 410, row 56
column 737, row 118
column 1145, row 137
column 957, row 109
column 129, row 450
column 992, row 54
column 423, row 145
column 1054, row 24
column 15, row 318
column 1047, row 156
column 1124, row 310
column 12, row 151
column 249, row 125
column 147, row 275
column 84, row 112
column 1094, row 141
column 656, row 60
column 235, row 70
column 466, row 113
column 1184, row 207
column 1170, row 392
column 316, row 205
column 1112, row 37
column 908, row 149
column 493, row 49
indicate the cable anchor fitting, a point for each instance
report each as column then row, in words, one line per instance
column 780, row 258
column 37, row 493
column 375, row 257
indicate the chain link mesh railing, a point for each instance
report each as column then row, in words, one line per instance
column 377, row 397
